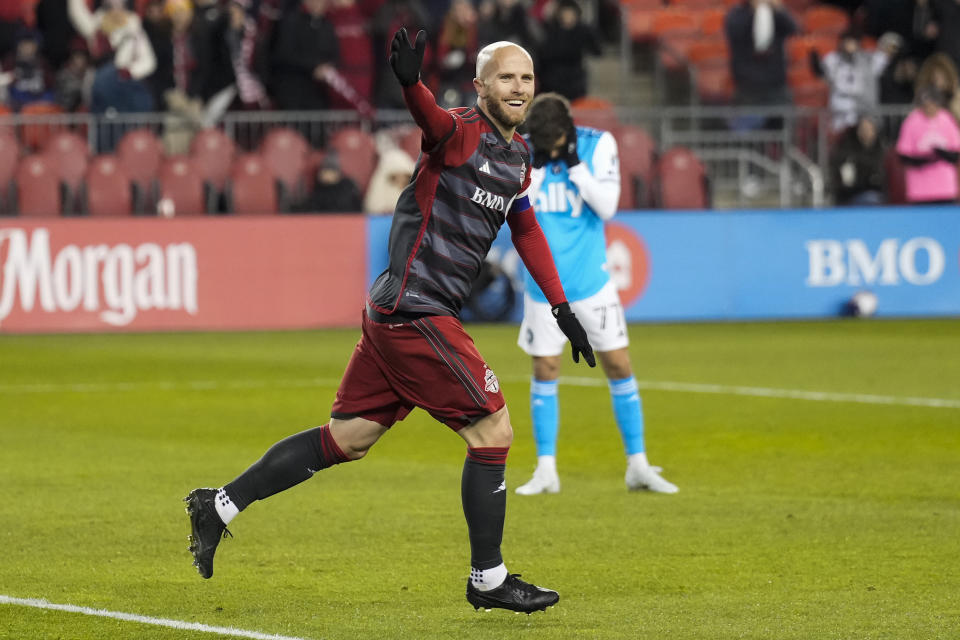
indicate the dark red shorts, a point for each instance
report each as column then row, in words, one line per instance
column 429, row 363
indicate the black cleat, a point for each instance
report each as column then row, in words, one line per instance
column 206, row 529
column 514, row 594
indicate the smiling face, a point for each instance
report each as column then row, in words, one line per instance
column 505, row 87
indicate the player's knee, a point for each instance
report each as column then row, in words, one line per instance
column 493, row 430
column 616, row 364
column 546, row 368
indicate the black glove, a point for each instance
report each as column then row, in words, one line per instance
column 570, row 155
column 575, row 334
column 539, row 158
column 406, row 59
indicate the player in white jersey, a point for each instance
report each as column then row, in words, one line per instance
column 576, row 179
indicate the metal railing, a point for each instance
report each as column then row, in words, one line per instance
column 781, row 162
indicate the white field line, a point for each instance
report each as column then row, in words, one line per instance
column 132, row 617
column 649, row 385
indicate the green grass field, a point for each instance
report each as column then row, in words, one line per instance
column 796, row 518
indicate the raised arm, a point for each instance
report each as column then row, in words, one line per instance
column 83, row 21
column 406, row 60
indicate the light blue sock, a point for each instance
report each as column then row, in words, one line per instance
column 628, row 411
column 545, row 415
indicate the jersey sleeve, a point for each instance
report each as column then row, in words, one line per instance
column 442, row 130
column 600, row 189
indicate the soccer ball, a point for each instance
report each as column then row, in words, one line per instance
column 863, row 304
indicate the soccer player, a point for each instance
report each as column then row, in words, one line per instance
column 576, row 187
column 413, row 352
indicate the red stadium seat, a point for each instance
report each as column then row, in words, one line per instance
column 38, row 188
column 638, row 151
column 36, row 134
column 798, row 49
column 714, row 84
column 712, row 22
column 140, row 153
column 590, row 111
column 9, row 159
column 674, row 47
column 253, row 187
column 683, row 180
column 212, row 153
column 180, row 187
column 358, row 154
column 709, row 52
column 108, row 189
column 285, row 151
column 673, row 21
column 825, row 20
column 409, row 140
column 68, row 154
column 638, row 15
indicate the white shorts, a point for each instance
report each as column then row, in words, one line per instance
column 601, row 316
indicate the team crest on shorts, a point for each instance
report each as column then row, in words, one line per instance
column 491, row 383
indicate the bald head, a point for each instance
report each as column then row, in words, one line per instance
column 495, row 51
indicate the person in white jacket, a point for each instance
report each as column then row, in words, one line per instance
column 116, row 35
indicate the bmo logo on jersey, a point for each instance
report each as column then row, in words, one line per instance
column 488, row 200
column 917, row 261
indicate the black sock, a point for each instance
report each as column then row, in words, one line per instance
column 285, row 464
column 484, row 496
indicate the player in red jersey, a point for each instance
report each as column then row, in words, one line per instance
column 472, row 176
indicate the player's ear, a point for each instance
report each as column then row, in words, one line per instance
column 478, row 86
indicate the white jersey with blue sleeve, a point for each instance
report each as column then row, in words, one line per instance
column 571, row 206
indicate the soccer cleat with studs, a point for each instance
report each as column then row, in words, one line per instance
column 514, row 595
column 206, row 529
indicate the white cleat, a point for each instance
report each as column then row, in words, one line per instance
column 541, row 482
column 643, row 478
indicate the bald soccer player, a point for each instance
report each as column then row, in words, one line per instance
column 473, row 174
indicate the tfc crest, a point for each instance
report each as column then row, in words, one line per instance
column 490, row 381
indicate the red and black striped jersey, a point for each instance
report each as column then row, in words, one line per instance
column 448, row 216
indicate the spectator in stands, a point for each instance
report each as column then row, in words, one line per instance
column 332, row 192
column 506, row 20
column 948, row 22
column 566, row 41
column 116, row 36
column 856, row 165
column 756, row 31
column 939, row 72
column 897, row 80
column 391, row 16
column 74, row 82
column 306, row 49
column 57, row 32
column 853, row 75
column 356, row 50
column 929, row 145
column 27, row 72
column 159, row 29
column 391, row 176
column 912, row 20
column 211, row 76
column 456, row 55
column 11, row 23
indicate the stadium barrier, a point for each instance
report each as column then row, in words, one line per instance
column 313, row 271
column 183, row 274
column 781, row 163
column 688, row 266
